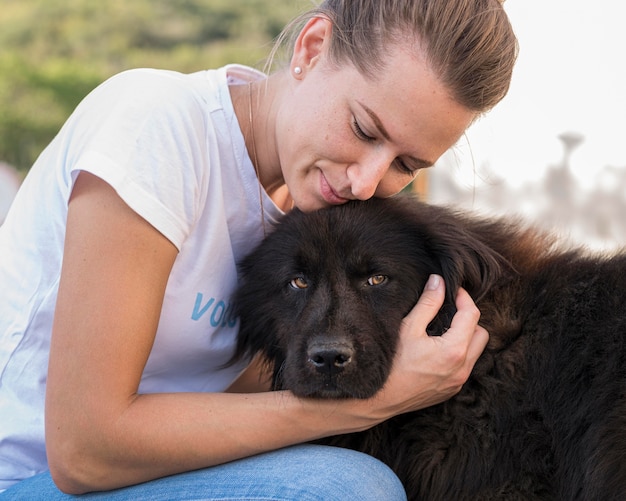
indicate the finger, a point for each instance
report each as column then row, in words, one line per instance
column 428, row 305
column 467, row 314
column 465, row 359
column 478, row 344
column 464, row 328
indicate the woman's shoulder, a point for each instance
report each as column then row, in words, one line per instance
column 157, row 87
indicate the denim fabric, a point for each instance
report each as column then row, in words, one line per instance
column 300, row 473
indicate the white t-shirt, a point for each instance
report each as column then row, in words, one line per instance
column 172, row 148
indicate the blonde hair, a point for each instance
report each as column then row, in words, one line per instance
column 469, row 44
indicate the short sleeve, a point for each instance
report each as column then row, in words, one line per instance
column 144, row 132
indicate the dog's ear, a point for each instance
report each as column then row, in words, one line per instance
column 257, row 289
column 256, row 322
column 469, row 263
column 464, row 260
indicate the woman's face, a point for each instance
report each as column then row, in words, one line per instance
column 342, row 137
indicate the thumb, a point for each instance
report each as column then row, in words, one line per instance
column 428, row 305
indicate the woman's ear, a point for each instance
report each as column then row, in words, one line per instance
column 312, row 42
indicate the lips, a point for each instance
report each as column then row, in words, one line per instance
column 329, row 194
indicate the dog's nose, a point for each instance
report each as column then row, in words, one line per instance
column 330, row 358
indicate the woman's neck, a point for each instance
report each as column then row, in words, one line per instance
column 254, row 106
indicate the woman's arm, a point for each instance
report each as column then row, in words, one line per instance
column 101, row 434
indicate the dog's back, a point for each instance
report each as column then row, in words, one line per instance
column 543, row 415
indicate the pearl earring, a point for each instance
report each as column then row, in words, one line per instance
column 297, row 70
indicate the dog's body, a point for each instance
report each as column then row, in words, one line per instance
column 543, row 415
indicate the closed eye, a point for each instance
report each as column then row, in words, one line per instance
column 358, row 131
column 403, row 167
column 399, row 163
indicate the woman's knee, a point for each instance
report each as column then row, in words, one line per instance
column 333, row 473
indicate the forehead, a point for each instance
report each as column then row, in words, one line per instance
column 357, row 231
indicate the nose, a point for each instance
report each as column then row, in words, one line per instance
column 329, row 357
column 365, row 176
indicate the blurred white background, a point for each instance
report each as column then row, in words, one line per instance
column 555, row 149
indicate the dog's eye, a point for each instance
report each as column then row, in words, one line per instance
column 299, row 283
column 376, row 280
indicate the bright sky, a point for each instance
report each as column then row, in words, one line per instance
column 570, row 76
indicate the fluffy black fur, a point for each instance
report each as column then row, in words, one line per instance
column 543, row 415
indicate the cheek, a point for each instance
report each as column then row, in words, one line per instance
column 296, row 139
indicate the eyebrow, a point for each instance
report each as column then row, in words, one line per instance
column 381, row 128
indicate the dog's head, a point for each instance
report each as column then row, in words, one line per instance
column 323, row 297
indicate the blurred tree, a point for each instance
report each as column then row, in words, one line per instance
column 53, row 53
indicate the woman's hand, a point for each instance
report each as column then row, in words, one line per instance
column 430, row 369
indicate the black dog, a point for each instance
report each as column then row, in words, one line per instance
column 543, row 415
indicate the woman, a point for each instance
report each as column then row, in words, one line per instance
column 120, row 254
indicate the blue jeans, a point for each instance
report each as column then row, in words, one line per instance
column 300, row 473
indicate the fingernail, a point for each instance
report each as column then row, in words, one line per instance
column 433, row 283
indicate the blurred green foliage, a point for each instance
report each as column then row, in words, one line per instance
column 53, row 53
